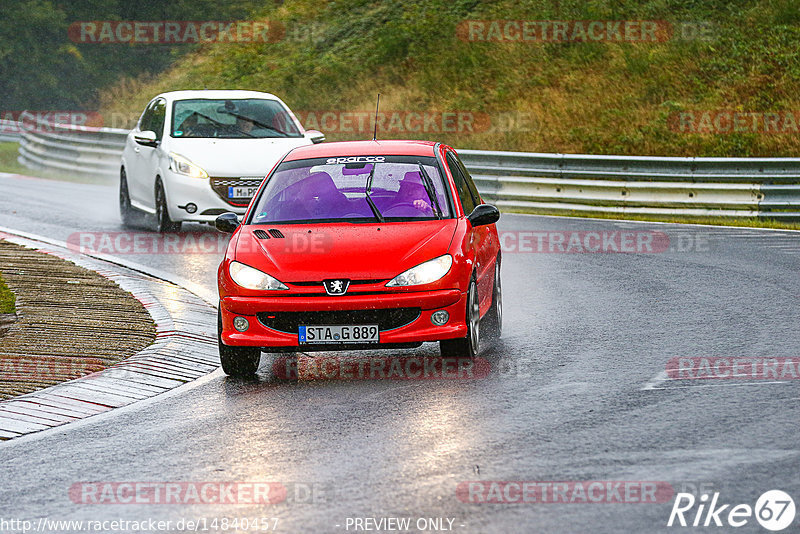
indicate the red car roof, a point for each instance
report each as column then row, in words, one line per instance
column 363, row 148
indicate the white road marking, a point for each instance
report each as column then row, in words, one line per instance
column 655, row 381
column 726, row 385
column 658, row 381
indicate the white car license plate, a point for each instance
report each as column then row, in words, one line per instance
column 241, row 192
column 338, row 334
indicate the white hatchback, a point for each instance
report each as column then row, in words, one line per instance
column 194, row 155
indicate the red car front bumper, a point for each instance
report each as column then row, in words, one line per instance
column 418, row 330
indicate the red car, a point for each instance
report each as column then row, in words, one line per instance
column 360, row 245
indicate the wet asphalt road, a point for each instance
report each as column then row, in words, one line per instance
column 575, row 393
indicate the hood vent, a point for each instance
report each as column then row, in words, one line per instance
column 273, row 232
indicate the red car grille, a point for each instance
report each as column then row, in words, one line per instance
column 387, row 319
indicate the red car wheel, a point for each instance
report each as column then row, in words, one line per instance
column 470, row 345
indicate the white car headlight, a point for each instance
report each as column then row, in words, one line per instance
column 182, row 165
column 424, row 273
column 250, row 278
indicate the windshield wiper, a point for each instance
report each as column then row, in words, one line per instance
column 367, row 190
column 257, row 123
column 428, row 184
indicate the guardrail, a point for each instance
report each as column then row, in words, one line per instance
column 529, row 182
column 9, row 131
column 80, row 150
column 638, row 185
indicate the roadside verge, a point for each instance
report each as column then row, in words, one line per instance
column 184, row 350
column 69, row 322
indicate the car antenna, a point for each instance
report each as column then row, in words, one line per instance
column 375, row 133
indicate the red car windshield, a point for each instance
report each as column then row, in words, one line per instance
column 359, row 189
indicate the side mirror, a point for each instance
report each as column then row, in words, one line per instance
column 315, row 136
column 484, row 214
column 227, row 223
column 146, row 138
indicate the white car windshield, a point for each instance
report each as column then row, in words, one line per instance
column 232, row 118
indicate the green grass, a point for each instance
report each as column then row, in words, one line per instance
column 593, row 98
column 581, row 97
column 8, row 159
column 7, row 298
column 9, row 164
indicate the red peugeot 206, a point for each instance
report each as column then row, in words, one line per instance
column 360, row 245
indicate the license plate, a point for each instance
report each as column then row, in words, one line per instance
column 241, row 192
column 334, row 334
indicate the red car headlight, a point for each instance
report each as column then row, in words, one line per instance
column 250, row 278
column 424, row 273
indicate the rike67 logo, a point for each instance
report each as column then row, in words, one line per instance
column 774, row 510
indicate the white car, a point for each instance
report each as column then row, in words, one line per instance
column 194, row 155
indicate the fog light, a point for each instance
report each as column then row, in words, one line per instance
column 440, row 317
column 191, row 208
column 241, row 324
